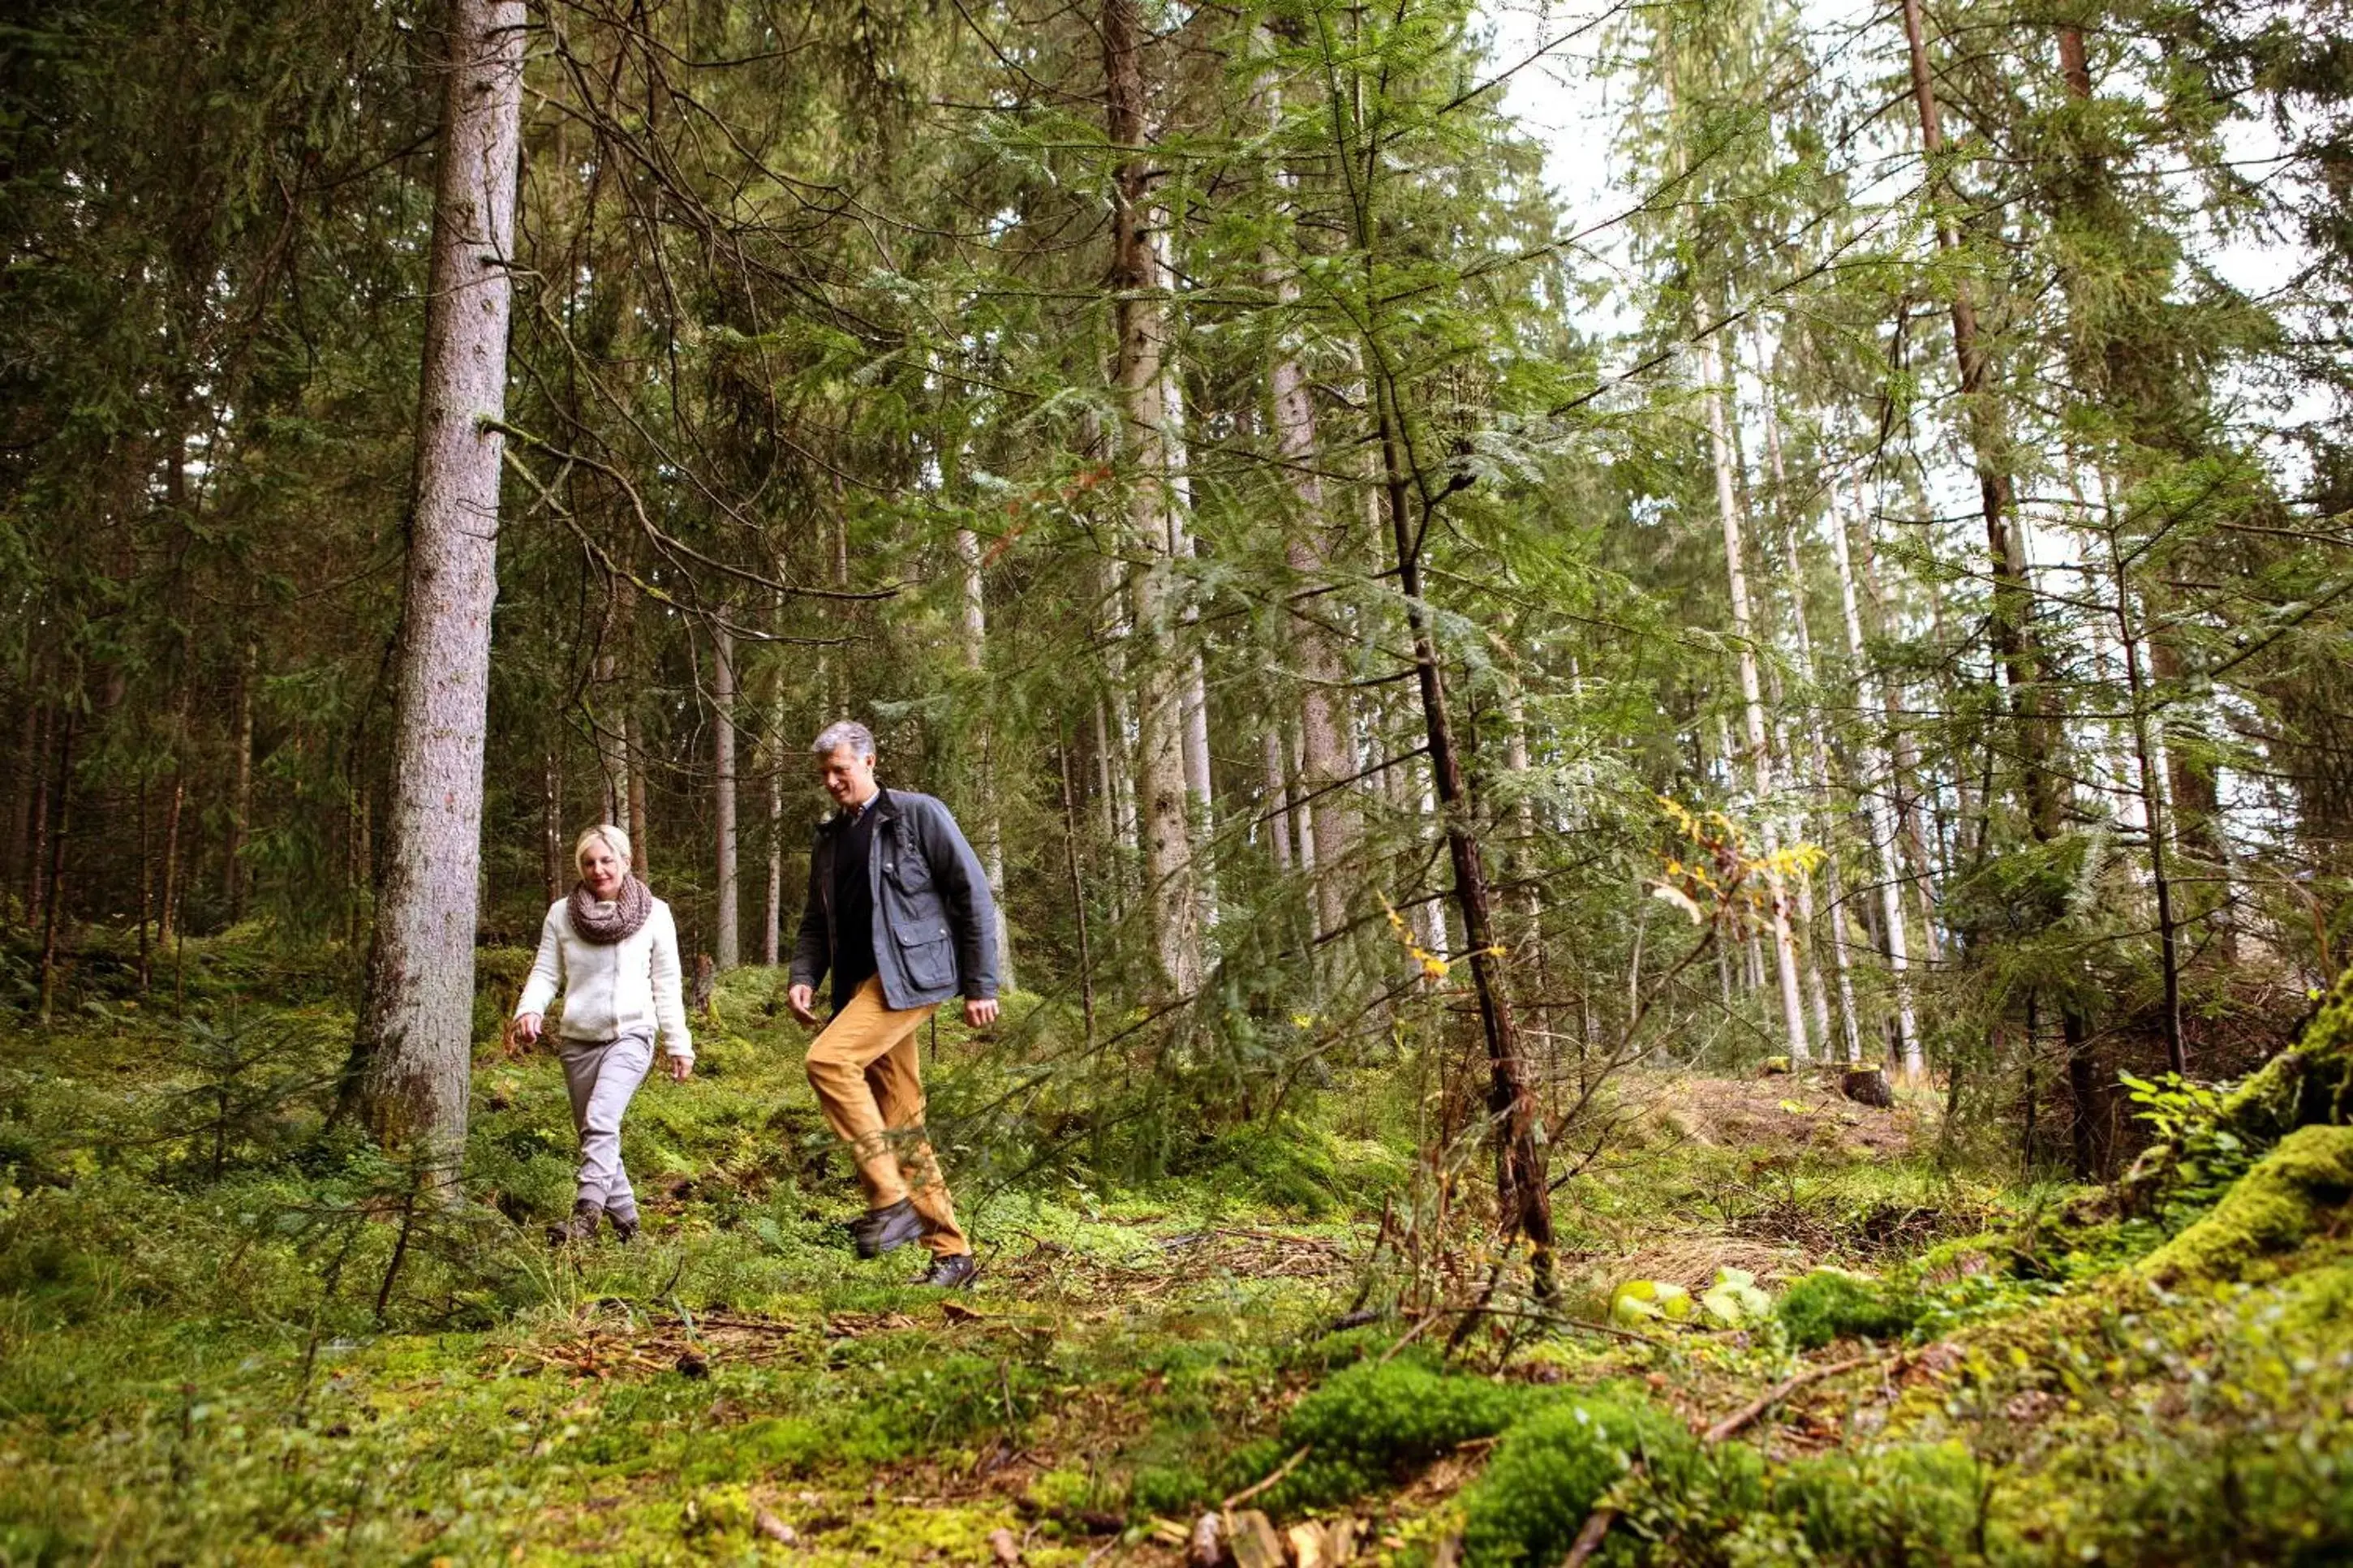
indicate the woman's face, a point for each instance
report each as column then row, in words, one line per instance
column 601, row 869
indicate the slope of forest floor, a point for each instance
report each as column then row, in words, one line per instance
column 224, row 1338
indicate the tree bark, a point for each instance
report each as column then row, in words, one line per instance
column 552, row 867
column 1140, row 315
column 240, row 807
column 412, row 1056
column 55, row 873
column 1760, row 755
column 773, row 917
column 727, row 921
column 1878, row 793
column 974, row 626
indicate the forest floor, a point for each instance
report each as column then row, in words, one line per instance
column 219, row 1344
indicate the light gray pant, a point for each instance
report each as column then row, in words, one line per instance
column 602, row 1075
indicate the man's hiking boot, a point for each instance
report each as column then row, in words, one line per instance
column 882, row 1230
column 623, row 1223
column 953, row 1272
column 581, row 1227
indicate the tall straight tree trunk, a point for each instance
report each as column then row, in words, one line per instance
column 1141, row 313
column 613, row 702
column 2152, row 799
column 974, row 626
column 1326, row 762
column 241, row 805
column 633, row 746
column 727, row 920
column 551, row 866
column 28, row 772
column 1903, row 778
column 2016, row 647
column 167, row 917
column 772, row 920
column 37, row 855
column 1878, row 796
column 1816, row 741
column 1277, row 815
column 1327, row 821
column 413, row 1052
column 1752, row 696
column 54, row 874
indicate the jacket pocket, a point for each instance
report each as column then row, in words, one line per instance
column 927, row 954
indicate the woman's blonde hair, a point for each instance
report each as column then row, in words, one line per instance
column 611, row 837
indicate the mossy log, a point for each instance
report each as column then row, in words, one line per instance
column 2271, row 1208
column 2309, row 1084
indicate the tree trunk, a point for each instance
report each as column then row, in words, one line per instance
column 633, row 747
column 412, row 1056
column 1878, row 788
column 1522, row 1194
column 551, row 866
column 610, row 719
column 1785, row 946
column 55, row 873
column 2152, row 809
column 727, row 919
column 974, row 628
column 1277, row 815
column 37, row 856
column 240, row 806
column 1141, row 314
column 146, row 881
column 772, row 920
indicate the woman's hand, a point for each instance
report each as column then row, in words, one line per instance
column 679, row 1069
column 801, row 1000
column 526, row 1027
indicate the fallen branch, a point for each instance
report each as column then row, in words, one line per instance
column 1732, row 1423
column 1255, row 1487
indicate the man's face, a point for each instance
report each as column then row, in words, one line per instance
column 849, row 777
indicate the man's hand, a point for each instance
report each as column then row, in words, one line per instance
column 680, row 1068
column 799, row 999
column 979, row 1011
column 526, row 1027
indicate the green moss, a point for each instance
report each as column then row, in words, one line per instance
column 2270, row 1209
column 1372, row 1423
column 1830, row 1304
column 1910, row 1503
column 1554, row 1466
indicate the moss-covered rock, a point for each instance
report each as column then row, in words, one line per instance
column 2270, row 1209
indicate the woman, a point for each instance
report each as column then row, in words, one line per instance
column 612, row 948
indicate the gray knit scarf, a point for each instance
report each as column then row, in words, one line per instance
column 607, row 923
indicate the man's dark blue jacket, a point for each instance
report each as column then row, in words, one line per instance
column 935, row 921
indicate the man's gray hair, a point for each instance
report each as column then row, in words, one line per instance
column 846, row 732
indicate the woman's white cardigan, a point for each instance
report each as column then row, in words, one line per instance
column 610, row 989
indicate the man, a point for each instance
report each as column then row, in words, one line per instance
column 899, row 912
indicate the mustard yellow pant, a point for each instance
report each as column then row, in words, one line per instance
column 863, row 1068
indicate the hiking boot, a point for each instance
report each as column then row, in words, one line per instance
column 623, row 1223
column 882, row 1230
column 953, row 1272
column 581, row 1227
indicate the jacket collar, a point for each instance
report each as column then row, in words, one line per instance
column 880, row 806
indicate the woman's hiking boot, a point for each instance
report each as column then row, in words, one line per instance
column 581, row 1227
column 623, row 1223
